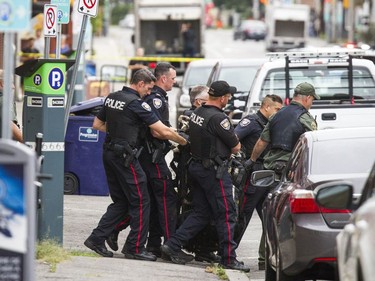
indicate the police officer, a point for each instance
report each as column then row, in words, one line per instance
column 122, row 117
column 163, row 197
column 248, row 132
column 284, row 129
column 163, row 214
column 212, row 141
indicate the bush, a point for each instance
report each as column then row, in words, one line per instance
column 119, row 11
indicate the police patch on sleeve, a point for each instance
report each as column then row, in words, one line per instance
column 157, row 103
column 225, row 124
column 244, row 122
column 146, row 106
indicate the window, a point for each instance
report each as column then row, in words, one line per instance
column 331, row 83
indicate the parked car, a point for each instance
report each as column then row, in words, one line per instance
column 250, row 29
column 196, row 73
column 239, row 73
column 300, row 236
column 355, row 243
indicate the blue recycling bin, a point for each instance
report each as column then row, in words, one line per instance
column 83, row 170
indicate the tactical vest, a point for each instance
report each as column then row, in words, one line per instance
column 119, row 124
column 205, row 145
column 157, row 93
column 286, row 128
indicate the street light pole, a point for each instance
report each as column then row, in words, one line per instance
column 350, row 25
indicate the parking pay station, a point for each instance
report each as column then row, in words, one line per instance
column 17, row 211
column 43, row 112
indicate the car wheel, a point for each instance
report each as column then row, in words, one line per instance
column 270, row 274
column 70, row 184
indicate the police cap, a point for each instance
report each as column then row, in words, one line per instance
column 306, row 89
column 221, row 88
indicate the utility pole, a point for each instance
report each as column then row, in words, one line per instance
column 350, row 23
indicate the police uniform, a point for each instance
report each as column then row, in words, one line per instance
column 212, row 137
column 163, row 215
column 125, row 115
column 248, row 131
column 283, row 131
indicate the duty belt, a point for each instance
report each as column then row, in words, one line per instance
column 124, row 150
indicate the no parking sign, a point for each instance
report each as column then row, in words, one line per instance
column 50, row 20
column 88, row 7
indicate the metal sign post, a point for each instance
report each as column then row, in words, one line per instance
column 63, row 13
column 87, row 8
column 15, row 17
column 17, row 164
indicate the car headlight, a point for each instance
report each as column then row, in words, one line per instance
column 185, row 100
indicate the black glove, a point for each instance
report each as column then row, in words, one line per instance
column 249, row 165
column 185, row 136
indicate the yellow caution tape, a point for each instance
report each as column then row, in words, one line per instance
column 93, row 57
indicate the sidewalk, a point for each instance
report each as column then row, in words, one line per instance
column 81, row 215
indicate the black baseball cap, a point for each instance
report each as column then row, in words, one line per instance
column 221, row 88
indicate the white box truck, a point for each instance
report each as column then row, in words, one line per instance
column 158, row 29
column 288, row 26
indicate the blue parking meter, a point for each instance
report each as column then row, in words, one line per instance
column 43, row 112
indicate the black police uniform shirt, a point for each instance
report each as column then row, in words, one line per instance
column 220, row 127
column 249, row 130
column 158, row 101
column 138, row 112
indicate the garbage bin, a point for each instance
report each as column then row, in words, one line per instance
column 83, row 166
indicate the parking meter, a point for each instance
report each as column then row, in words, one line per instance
column 43, row 112
column 17, row 211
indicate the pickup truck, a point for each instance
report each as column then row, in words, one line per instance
column 343, row 79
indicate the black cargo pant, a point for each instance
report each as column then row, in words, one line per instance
column 253, row 199
column 163, row 199
column 212, row 198
column 128, row 191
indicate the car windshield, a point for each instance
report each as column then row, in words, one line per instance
column 240, row 77
column 331, row 83
column 342, row 156
column 197, row 76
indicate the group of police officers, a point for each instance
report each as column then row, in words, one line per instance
column 200, row 201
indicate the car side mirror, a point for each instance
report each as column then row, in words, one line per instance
column 263, row 178
column 334, row 195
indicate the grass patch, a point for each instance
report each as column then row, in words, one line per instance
column 52, row 253
column 217, row 270
column 49, row 251
column 77, row 253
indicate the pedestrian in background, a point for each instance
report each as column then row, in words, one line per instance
column 248, row 131
column 284, row 129
column 188, row 40
column 14, row 125
column 123, row 117
column 137, row 63
column 212, row 140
